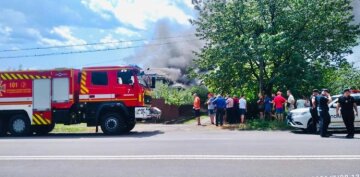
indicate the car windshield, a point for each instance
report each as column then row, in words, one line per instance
column 336, row 98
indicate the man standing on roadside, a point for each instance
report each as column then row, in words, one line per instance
column 236, row 109
column 322, row 102
column 211, row 107
column 196, row 108
column 220, row 103
column 279, row 102
column 291, row 101
column 347, row 105
column 313, row 109
column 273, row 110
column 229, row 109
column 268, row 107
column 242, row 109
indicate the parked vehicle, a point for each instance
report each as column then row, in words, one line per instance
column 301, row 118
column 111, row 97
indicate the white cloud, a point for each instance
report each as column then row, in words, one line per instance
column 5, row 30
column 108, row 39
column 138, row 13
column 99, row 6
column 127, row 32
column 65, row 33
column 188, row 3
column 111, row 42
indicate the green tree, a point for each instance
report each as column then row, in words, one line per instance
column 263, row 45
column 346, row 76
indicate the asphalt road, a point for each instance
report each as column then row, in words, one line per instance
column 180, row 151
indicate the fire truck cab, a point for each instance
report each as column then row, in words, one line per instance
column 111, row 97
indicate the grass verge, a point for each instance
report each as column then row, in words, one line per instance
column 78, row 128
column 193, row 120
column 262, row 125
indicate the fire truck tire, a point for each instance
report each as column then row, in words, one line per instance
column 130, row 127
column 113, row 124
column 2, row 127
column 19, row 125
column 44, row 130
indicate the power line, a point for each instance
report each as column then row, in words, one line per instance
column 92, row 44
column 91, row 51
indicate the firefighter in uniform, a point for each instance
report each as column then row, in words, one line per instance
column 313, row 110
column 322, row 102
column 347, row 105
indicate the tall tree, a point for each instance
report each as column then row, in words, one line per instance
column 346, row 76
column 266, row 44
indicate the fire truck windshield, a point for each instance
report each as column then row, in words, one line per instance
column 142, row 81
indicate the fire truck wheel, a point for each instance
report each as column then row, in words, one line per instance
column 2, row 127
column 112, row 124
column 130, row 127
column 44, row 130
column 19, row 125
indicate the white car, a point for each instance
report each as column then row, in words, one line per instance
column 301, row 118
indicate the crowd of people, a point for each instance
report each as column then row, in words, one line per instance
column 232, row 109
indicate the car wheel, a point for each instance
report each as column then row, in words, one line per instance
column 19, row 125
column 311, row 128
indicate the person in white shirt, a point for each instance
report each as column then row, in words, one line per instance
column 242, row 108
column 291, row 101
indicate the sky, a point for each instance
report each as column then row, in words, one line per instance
column 47, row 23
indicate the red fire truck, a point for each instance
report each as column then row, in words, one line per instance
column 112, row 97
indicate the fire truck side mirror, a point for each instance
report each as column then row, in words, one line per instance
column 153, row 82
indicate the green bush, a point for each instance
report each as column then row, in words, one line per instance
column 178, row 96
column 202, row 92
column 173, row 96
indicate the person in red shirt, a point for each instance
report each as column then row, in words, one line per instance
column 279, row 102
column 196, row 108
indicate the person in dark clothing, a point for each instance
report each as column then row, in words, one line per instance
column 322, row 102
column 347, row 105
column 229, row 109
column 220, row 103
column 268, row 107
column 236, row 109
column 313, row 110
column 261, row 106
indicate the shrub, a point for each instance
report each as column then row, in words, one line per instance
column 173, row 96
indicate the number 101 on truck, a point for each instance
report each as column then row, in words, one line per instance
column 112, row 97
